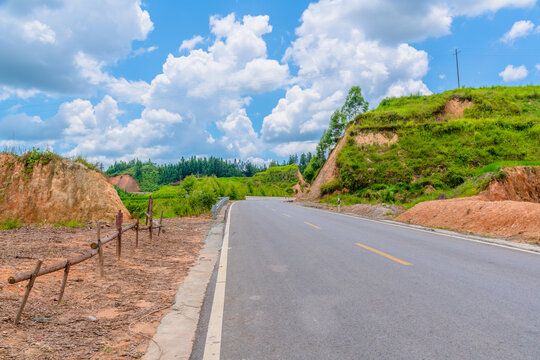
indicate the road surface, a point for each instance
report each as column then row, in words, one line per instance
column 300, row 283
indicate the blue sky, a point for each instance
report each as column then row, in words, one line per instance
column 121, row 79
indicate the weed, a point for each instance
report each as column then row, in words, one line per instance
column 8, row 224
column 69, row 224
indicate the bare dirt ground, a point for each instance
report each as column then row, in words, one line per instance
column 126, row 305
column 511, row 220
column 374, row 211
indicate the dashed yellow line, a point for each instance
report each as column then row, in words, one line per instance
column 287, row 215
column 310, row 224
column 403, row 262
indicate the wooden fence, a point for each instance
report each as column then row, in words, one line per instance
column 96, row 249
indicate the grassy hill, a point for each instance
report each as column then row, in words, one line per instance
column 197, row 195
column 437, row 153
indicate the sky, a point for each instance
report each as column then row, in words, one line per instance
column 115, row 80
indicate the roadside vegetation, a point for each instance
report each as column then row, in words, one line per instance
column 8, row 224
column 437, row 156
column 197, row 195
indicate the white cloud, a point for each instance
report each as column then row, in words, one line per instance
column 191, row 43
column 519, row 29
column 334, row 55
column 125, row 90
column 442, row 76
column 295, row 147
column 215, row 85
column 40, row 40
column 37, row 31
column 538, row 67
column 7, row 92
column 144, row 50
column 511, row 73
column 239, row 133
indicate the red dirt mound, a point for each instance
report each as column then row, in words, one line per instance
column 508, row 207
column 520, row 183
column 62, row 190
column 125, row 182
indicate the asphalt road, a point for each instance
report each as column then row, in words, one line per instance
column 308, row 284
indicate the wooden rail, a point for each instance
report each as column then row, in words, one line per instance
column 96, row 249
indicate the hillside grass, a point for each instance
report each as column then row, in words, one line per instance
column 436, row 156
column 195, row 196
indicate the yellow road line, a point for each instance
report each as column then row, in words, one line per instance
column 385, row 255
column 315, row 226
column 287, row 215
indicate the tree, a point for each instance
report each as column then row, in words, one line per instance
column 354, row 104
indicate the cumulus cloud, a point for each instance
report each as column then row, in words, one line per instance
column 191, row 43
column 519, row 29
column 215, row 85
column 538, row 67
column 332, row 55
column 40, row 53
column 511, row 73
column 125, row 90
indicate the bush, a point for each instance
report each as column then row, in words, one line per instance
column 8, row 224
column 331, row 186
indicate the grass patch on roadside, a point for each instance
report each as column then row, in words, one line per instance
column 69, row 224
column 8, row 224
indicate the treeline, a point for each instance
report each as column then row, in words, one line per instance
column 150, row 176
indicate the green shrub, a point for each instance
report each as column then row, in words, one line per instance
column 8, row 224
column 331, row 186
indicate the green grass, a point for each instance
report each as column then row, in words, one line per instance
column 195, row 196
column 8, row 224
column 436, row 155
column 69, row 224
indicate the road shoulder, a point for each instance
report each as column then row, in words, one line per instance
column 176, row 334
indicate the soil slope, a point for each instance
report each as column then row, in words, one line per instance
column 330, row 171
column 125, row 182
column 508, row 207
column 62, row 190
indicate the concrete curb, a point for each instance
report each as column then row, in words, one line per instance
column 176, row 332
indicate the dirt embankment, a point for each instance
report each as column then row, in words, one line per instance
column 330, row 170
column 301, row 186
column 509, row 207
column 62, row 190
column 125, row 182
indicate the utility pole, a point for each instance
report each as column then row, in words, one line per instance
column 457, row 68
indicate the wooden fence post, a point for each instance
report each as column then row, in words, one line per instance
column 148, row 210
column 64, row 281
column 160, row 222
column 137, row 231
column 100, row 249
column 151, row 213
column 119, row 238
column 28, row 288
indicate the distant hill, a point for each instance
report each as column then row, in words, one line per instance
column 418, row 148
